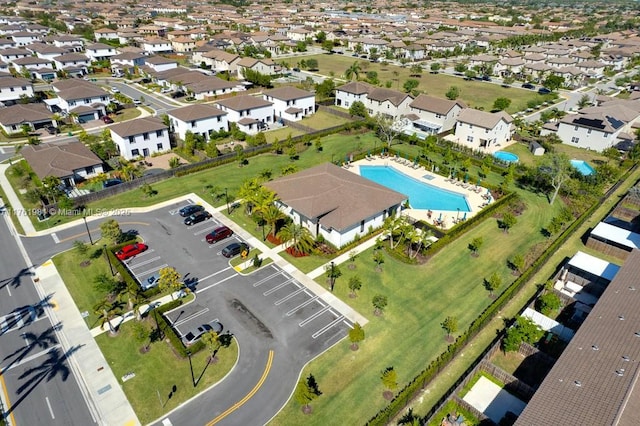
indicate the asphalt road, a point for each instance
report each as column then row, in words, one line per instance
column 39, row 381
column 279, row 324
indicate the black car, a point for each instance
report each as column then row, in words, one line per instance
column 111, row 182
column 528, row 86
column 486, row 78
column 544, row 91
column 235, row 249
column 51, row 130
column 190, row 209
column 197, row 217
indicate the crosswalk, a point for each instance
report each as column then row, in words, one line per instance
column 18, row 319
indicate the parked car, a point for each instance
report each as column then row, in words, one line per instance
column 51, row 130
column 220, row 233
column 235, row 249
column 486, row 78
column 131, row 250
column 107, row 119
column 137, row 102
column 115, row 89
column 190, row 209
column 111, row 182
column 193, row 335
column 544, row 91
column 150, row 282
column 528, row 86
column 197, row 217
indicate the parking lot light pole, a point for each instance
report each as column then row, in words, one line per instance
column 226, row 198
column 333, row 277
column 104, row 247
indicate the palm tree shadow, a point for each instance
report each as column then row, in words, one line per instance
column 44, row 340
column 16, row 280
column 53, row 366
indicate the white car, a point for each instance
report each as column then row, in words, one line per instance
column 115, row 89
column 137, row 102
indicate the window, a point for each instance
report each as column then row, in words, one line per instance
column 88, row 170
column 470, row 139
column 589, row 131
column 606, row 135
column 159, row 133
column 132, row 139
column 575, row 139
column 362, row 226
column 575, row 128
column 219, row 119
column 193, row 124
column 159, row 146
column 135, row 152
column 145, row 136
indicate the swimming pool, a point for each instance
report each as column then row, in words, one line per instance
column 582, row 167
column 506, row 156
column 421, row 195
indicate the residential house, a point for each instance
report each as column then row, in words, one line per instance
column 209, row 86
column 157, row 45
column 367, row 45
column 46, row 51
column 106, row 34
column 251, row 114
column 159, row 63
column 72, row 162
column 354, row 91
column 291, row 103
column 435, row 115
column 140, row 137
column 26, row 65
column 8, row 55
column 263, row 66
column 100, row 51
column 299, row 34
column 12, row 89
column 23, row 38
column 73, row 64
column 387, row 102
column 334, row 203
column 36, row 116
column 483, row 130
column 199, row 119
column 7, row 43
column 127, row 62
column 79, row 97
column 182, row 45
column 67, row 41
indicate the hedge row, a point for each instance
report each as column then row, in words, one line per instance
column 170, row 333
column 421, row 380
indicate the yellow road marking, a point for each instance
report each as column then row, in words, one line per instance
column 6, row 396
column 53, row 304
column 47, row 263
column 82, row 234
column 248, row 396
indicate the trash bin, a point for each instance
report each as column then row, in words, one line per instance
column 70, row 134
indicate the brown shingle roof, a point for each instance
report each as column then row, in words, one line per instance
column 338, row 198
column 138, row 127
column 24, row 113
column 604, row 397
column 288, row 93
column 196, row 112
column 355, row 87
column 437, row 105
column 240, row 103
column 393, row 96
column 486, row 120
column 58, row 160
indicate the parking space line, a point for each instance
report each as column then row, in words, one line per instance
column 264, row 280
column 143, row 254
column 148, row 271
column 314, row 316
column 55, row 238
column 278, row 287
column 327, row 327
column 215, row 284
column 302, row 305
column 190, row 317
column 214, row 225
column 290, row 295
column 144, row 262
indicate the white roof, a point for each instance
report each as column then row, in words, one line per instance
column 604, row 231
column 594, row 265
column 548, row 324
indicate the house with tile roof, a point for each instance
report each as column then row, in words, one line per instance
column 250, row 113
column 291, row 103
column 36, row 116
column 87, row 101
column 72, row 162
column 159, row 63
column 483, row 130
column 13, row 88
column 140, row 137
column 435, row 115
column 335, row 203
column 210, row 87
column 263, row 66
column 199, row 119
column 377, row 100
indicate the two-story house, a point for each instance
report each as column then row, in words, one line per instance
column 100, row 51
column 140, row 137
column 73, row 64
column 23, row 38
column 12, row 89
column 263, row 66
column 354, row 91
column 290, row 103
column 156, row 45
column 105, row 34
column 483, row 130
column 251, row 114
column 127, row 62
column 435, row 115
column 200, row 119
column 79, row 97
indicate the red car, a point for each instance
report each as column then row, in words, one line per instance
column 107, row 119
column 131, row 250
column 218, row 234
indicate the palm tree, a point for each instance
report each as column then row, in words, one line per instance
column 418, row 239
column 107, row 310
column 271, row 216
column 353, row 70
column 248, row 192
column 134, row 298
column 396, row 226
column 297, row 238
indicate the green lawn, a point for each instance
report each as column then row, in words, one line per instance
column 306, row 263
column 409, row 334
column 282, row 134
column 159, row 370
column 526, row 157
column 475, row 94
column 323, row 120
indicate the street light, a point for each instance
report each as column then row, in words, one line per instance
column 333, row 278
column 104, row 247
column 226, row 197
column 87, row 227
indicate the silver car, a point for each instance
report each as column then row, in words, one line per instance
column 192, row 336
column 150, row 282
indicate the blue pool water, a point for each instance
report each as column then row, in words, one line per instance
column 421, row 195
column 583, row 167
column 506, row 156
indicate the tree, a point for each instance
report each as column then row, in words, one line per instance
column 325, row 89
column 415, row 70
column 493, row 283
column 169, row 280
column 388, row 128
column 584, row 101
column 107, row 311
column 333, row 272
column 389, row 379
column 312, row 64
column 507, row 222
column 450, row 325
column 105, row 284
column 396, row 227
column 517, row 263
column 524, row 330
column 271, row 215
column 557, row 169
column 327, row 45
column 306, row 391
column 357, row 109
column 553, row 82
column 141, row 334
column 110, row 230
column 80, row 247
column 378, row 258
column 548, row 303
column 453, row 93
column 379, row 302
column 410, row 84
column 355, row 284
column 435, row 67
column 353, row 71
column 460, row 68
column 356, row 335
column 211, row 340
column 297, row 238
column 501, row 104
column 475, row 245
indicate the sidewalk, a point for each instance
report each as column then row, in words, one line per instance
column 14, row 201
column 105, row 397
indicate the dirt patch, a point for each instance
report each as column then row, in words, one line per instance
column 161, row 161
column 85, row 263
column 388, row 395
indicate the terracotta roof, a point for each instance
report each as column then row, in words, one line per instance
column 288, row 93
column 437, row 105
column 335, row 196
column 196, row 112
column 240, row 103
column 486, row 120
column 138, row 126
column 592, row 383
column 58, row 160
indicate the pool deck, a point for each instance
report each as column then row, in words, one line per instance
column 472, row 193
